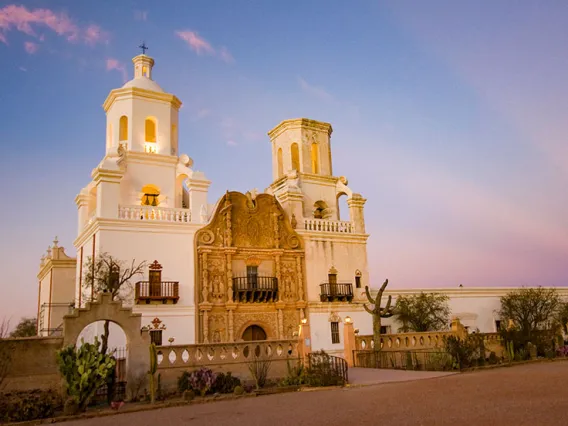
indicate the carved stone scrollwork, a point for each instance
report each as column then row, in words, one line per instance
column 300, row 279
column 293, row 241
column 204, row 277
column 216, row 272
column 288, row 272
column 217, row 328
column 206, row 237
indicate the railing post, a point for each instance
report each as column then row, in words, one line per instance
column 348, row 341
column 305, row 344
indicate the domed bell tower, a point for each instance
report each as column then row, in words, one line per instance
column 141, row 117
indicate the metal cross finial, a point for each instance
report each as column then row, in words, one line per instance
column 143, row 47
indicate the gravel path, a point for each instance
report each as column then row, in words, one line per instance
column 531, row 394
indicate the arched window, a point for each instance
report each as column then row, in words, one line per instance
column 342, row 207
column 358, row 278
column 123, row 129
column 150, row 130
column 295, row 157
column 280, row 165
column 151, row 195
column 320, row 210
column 315, row 158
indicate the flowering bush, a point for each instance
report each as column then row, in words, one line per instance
column 202, row 380
column 562, row 351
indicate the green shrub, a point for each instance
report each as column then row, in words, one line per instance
column 183, row 382
column 297, row 375
column 464, row 351
column 225, row 383
column 493, row 358
column 238, row 390
column 29, row 405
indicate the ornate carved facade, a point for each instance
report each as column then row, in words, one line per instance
column 250, row 270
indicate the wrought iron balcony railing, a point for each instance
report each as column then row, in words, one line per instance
column 163, row 291
column 336, row 292
column 254, row 288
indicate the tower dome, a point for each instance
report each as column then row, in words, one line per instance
column 143, row 74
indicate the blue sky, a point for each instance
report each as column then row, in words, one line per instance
column 449, row 117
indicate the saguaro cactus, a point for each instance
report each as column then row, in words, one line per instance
column 152, row 371
column 377, row 312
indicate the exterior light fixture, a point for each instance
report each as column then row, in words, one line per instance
column 304, row 321
column 348, row 320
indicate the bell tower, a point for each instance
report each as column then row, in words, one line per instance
column 141, row 117
column 302, row 145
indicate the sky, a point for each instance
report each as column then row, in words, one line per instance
column 449, row 117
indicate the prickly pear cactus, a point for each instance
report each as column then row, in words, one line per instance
column 84, row 370
column 152, row 371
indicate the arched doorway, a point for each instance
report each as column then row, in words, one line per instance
column 117, row 348
column 253, row 333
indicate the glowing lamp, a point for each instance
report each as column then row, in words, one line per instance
column 304, row 321
column 347, row 320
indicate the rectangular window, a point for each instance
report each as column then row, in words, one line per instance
column 385, row 329
column 334, row 332
column 156, row 337
column 497, row 325
column 357, row 281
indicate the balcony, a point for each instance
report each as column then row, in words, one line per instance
column 163, row 291
column 154, row 214
column 255, row 289
column 329, row 226
column 336, row 292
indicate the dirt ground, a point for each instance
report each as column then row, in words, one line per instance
column 530, row 394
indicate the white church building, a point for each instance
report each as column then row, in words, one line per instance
column 245, row 267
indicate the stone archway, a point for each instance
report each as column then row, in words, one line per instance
column 104, row 308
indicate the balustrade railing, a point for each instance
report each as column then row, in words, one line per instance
column 164, row 291
column 336, row 292
column 225, row 353
column 157, row 214
column 254, row 288
column 330, row 370
column 404, row 360
column 325, row 225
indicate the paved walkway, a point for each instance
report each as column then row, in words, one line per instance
column 525, row 395
column 373, row 376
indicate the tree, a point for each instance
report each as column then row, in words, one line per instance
column 26, row 328
column 377, row 312
column 109, row 275
column 422, row 312
column 530, row 310
column 562, row 316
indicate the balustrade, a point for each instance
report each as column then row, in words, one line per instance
column 164, row 291
column 254, row 288
column 336, row 292
column 225, row 353
column 157, row 214
column 325, row 225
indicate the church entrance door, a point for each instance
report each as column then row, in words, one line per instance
column 253, row 333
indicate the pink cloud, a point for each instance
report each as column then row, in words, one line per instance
column 114, row 64
column 23, row 20
column 226, row 56
column 199, row 45
column 31, row 47
column 196, row 43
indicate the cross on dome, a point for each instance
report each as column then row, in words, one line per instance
column 143, row 47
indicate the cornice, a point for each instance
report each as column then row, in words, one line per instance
column 107, row 175
column 331, row 237
column 310, row 177
column 300, row 123
column 127, row 225
column 136, row 157
column 81, row 200
column 464, row 292
column 136, row 92
column 322, row 307
column 51, row 264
